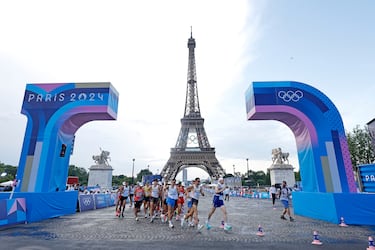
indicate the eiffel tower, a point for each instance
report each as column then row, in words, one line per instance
column 192, row 147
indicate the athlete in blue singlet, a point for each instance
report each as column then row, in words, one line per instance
column 218, row 202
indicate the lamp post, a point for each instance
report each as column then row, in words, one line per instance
column 133, row 172
column 234, row 170
column 247, row 165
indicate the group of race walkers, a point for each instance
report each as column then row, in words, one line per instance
column 167, row 201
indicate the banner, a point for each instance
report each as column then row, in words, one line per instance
column 112, row 199
column 367, row 173
column 86, row 202
column 100, row 201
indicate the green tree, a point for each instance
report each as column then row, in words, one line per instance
column 10, row 170
column 256, row 178
column 360, row 147
column 297, row 175
column 119, row 179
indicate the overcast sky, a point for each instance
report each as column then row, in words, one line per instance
column 141, row 48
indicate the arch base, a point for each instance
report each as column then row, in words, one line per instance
column 356, row 208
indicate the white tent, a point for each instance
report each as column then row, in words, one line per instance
column 6, row 183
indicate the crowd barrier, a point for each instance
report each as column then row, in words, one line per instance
column 252, row 195
column 96, row 201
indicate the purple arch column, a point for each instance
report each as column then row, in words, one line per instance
column 323, row 153
column 329, row 188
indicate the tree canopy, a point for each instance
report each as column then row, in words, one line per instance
column 360, row 147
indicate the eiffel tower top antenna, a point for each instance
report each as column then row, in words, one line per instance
column 192, row 101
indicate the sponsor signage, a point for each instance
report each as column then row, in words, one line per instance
column 367, row 173
column 100, row 201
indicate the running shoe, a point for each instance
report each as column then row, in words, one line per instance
column 170, row 225
column 282, row 217
column 199, row 227
column 136, row 218
column 208, row 226
column 227, row 227
column 291, row 219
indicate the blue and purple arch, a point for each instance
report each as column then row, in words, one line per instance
column 55, row 111
column 323, row 153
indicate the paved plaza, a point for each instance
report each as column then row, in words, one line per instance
column 100, row 229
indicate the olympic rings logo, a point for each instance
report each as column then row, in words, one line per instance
column 193, row 139
column 290, row 95
column 86, row 201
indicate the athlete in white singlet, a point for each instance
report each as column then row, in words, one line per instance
column 154, row 199
column 172, row 197
column 124, row 197
column 196, row 190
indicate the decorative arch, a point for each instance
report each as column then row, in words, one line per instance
column 55, row 112
column 322, row 147
column 329, row 189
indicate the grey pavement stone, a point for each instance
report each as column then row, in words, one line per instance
column 101, row 229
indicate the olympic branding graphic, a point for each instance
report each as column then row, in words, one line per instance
column 290, row 95
column 193, row 139
column 87, row 201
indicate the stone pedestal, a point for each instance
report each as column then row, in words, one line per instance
column 282, row 172
column 100, row 175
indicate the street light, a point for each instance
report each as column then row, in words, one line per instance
column 247, row 164
column 133, row 172
column 234, row 171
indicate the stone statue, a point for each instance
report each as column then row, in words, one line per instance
column 102, row 158
column 279, row 157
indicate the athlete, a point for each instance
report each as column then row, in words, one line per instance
column 146, row 201
column 172, row 197
column 131, row 194
column 284, row 194
column 154, row 199
column 218, row 202
column 196, row 190
column 123, row 198
column 163, row 201
column 189, row 204
column 119, row 201
column 181, row 200
column 138, row 200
